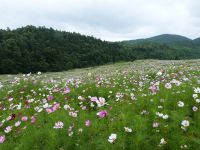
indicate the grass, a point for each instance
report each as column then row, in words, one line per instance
column 136, row 96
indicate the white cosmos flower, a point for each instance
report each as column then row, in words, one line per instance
column 156, row 124
column 112, row 138
column 17, row 124
column 198, row 100
column 101, row 102
column 159, row 73
column 66, row 107
column 197, row 90
column 180, row 104
column 127, row 129
column 168, row 86
column 194, row 108
column 185, row 123
column 45, row 105
column 194, row 96
column 8, row 129
column 165, row 116
column 162, row 141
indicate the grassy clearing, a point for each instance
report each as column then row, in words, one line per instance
column 147, row 104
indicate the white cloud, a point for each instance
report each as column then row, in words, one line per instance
column 106, row 19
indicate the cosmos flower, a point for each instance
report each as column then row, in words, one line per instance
column 101, row 102
column 87, row 123
column 127, row 129
column 194, row 96
column 73, row 114
column 162, row 141
column 50, row 97
column 66, row 90
column 159, row 73
column 194, row 108
column 49, row 110
column 168, row 86
column 180, row 104
column 17, row 124
column 165, row 116
column 8, row 129
column 198, row 100
column 55, row 107
column 102, row 113
column 33, row 119
column 156, row 125
column 197, row 90
column 94, row 99
column 58, row 125
column 112, row 138
column 24, row 118
column 2, row 139
column 185, row 124
column 153, row 89
column 66, row 107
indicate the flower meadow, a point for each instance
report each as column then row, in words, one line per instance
column 140, row 105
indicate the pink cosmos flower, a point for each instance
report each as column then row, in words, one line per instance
column 49, row 110
column 153, row 88
column 33, row 119
column 2, row 139
column 56, row 107
column 24, row 118
column 66, row 90
column 87, row 123
column 94, row 99
column 102, row 113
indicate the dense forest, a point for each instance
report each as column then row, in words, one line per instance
column 32, row 49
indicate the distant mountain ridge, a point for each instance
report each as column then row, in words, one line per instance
column 165, row 39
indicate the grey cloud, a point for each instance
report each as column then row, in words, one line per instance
column 106, row 19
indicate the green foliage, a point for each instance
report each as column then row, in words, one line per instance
column 32, row 49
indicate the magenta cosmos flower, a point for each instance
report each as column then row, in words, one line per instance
column 102, row 113
column 50, row 97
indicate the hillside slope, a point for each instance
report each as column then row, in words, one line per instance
column 32, row 49
column 163, row 39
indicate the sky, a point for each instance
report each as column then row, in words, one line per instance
column 111, row 20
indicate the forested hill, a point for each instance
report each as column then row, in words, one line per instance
column 163, row 39
column 33, row 49
column 165, row 46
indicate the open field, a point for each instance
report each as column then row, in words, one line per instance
column 142, row 105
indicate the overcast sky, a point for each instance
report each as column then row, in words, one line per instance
column 111, row 20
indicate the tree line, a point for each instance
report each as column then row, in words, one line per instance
column 33, row 49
